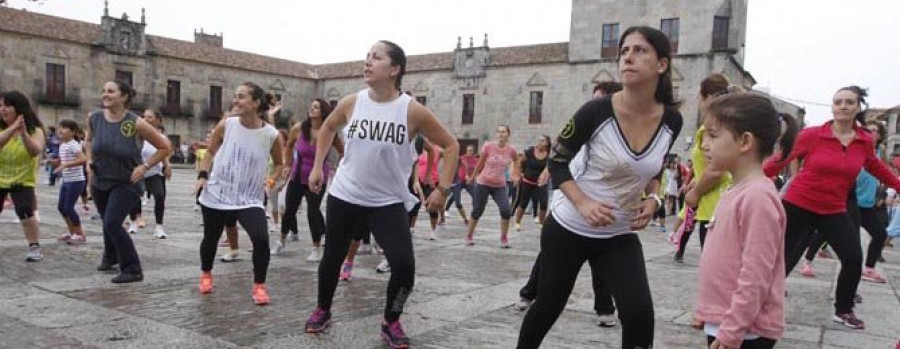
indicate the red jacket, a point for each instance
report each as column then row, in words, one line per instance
column 829, row 169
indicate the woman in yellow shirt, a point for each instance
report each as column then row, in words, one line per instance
column 703, row 193
column 21, row 143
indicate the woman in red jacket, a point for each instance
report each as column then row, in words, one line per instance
column 833, row 154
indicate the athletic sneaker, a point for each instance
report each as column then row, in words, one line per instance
column 160, row 232
column 872, row 275
column 432, row 236
column 125, row 278
column 504, row 243
column 260, row 294
column 278, row 248
column 295, row 236
column 77, row 239
column 34, row 254
column 206, row 283
column 318, row 321
column 523, row 304
column 315, row 255
column 132, row 229
column 64, row 238
column 392, row 333
column 383, row 267
column 518, row 226
column 346, row 270
column 537, row 220
column 824, row 254
column 106, row 266
column 850, row 320
column 230, row 256
column 469, row 241
column 606, row 320
column 807, row 270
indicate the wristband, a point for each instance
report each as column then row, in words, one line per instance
column 203, row 175
column 659, row 201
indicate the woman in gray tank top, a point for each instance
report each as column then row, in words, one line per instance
column 113, row 141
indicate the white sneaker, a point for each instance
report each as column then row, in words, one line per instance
column 523, row 304
column 608, row 320
column 537, row 220
column 432, row 236
column 34, row 254
column 383, row 267
column 230, row 256
column 196, row 207
column 144, row 201
column 365, row 249
column 315, row 255
column 278, row 248
column 132, row 229
column 160, row 232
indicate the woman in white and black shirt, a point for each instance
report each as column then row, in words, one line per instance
column 605, row 163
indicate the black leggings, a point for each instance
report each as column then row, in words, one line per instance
column 114, row 204
column 619, row 259
column 23, row 199
column 759, row 343
column 529, row 193
column 868, row 219
column 155, row 186
column 390, row 225
column 704, row 226
column 603, row 302
column 254, row 222
column 292, row 199
column 838, row 231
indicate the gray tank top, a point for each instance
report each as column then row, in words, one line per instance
column 115, row 150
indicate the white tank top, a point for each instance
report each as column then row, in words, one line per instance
column 238, row 177
column 378, row 155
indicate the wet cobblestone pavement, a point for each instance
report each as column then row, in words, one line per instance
column 463, row 296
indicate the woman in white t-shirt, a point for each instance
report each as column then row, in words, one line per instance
column 238, row 151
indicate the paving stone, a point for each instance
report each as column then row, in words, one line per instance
column 463, row 295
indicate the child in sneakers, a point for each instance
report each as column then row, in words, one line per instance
column 71, row 169
column 740, row 302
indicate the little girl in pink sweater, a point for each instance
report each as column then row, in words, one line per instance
column 740, row 300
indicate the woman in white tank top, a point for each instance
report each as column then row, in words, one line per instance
column 370, row 183
column 238, row 152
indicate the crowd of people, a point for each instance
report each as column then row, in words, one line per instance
column 751, row 188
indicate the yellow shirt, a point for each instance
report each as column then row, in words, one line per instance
column 18, row 168
column 708, row 202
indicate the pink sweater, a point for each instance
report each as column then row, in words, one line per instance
column 741, row 284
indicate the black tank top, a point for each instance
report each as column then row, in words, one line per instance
column 533, row 166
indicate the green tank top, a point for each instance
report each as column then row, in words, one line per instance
column 707, row 205
column 18, row 168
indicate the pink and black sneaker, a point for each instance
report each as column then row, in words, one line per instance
column 392, row 333
column 318, row 321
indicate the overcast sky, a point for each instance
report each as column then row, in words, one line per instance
column 802, row 50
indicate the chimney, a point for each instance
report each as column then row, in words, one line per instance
column 207, row 39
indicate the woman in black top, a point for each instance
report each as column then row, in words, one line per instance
column 533, row 183
column 113, row 141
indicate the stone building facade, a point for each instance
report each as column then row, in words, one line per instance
column 473, row 88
